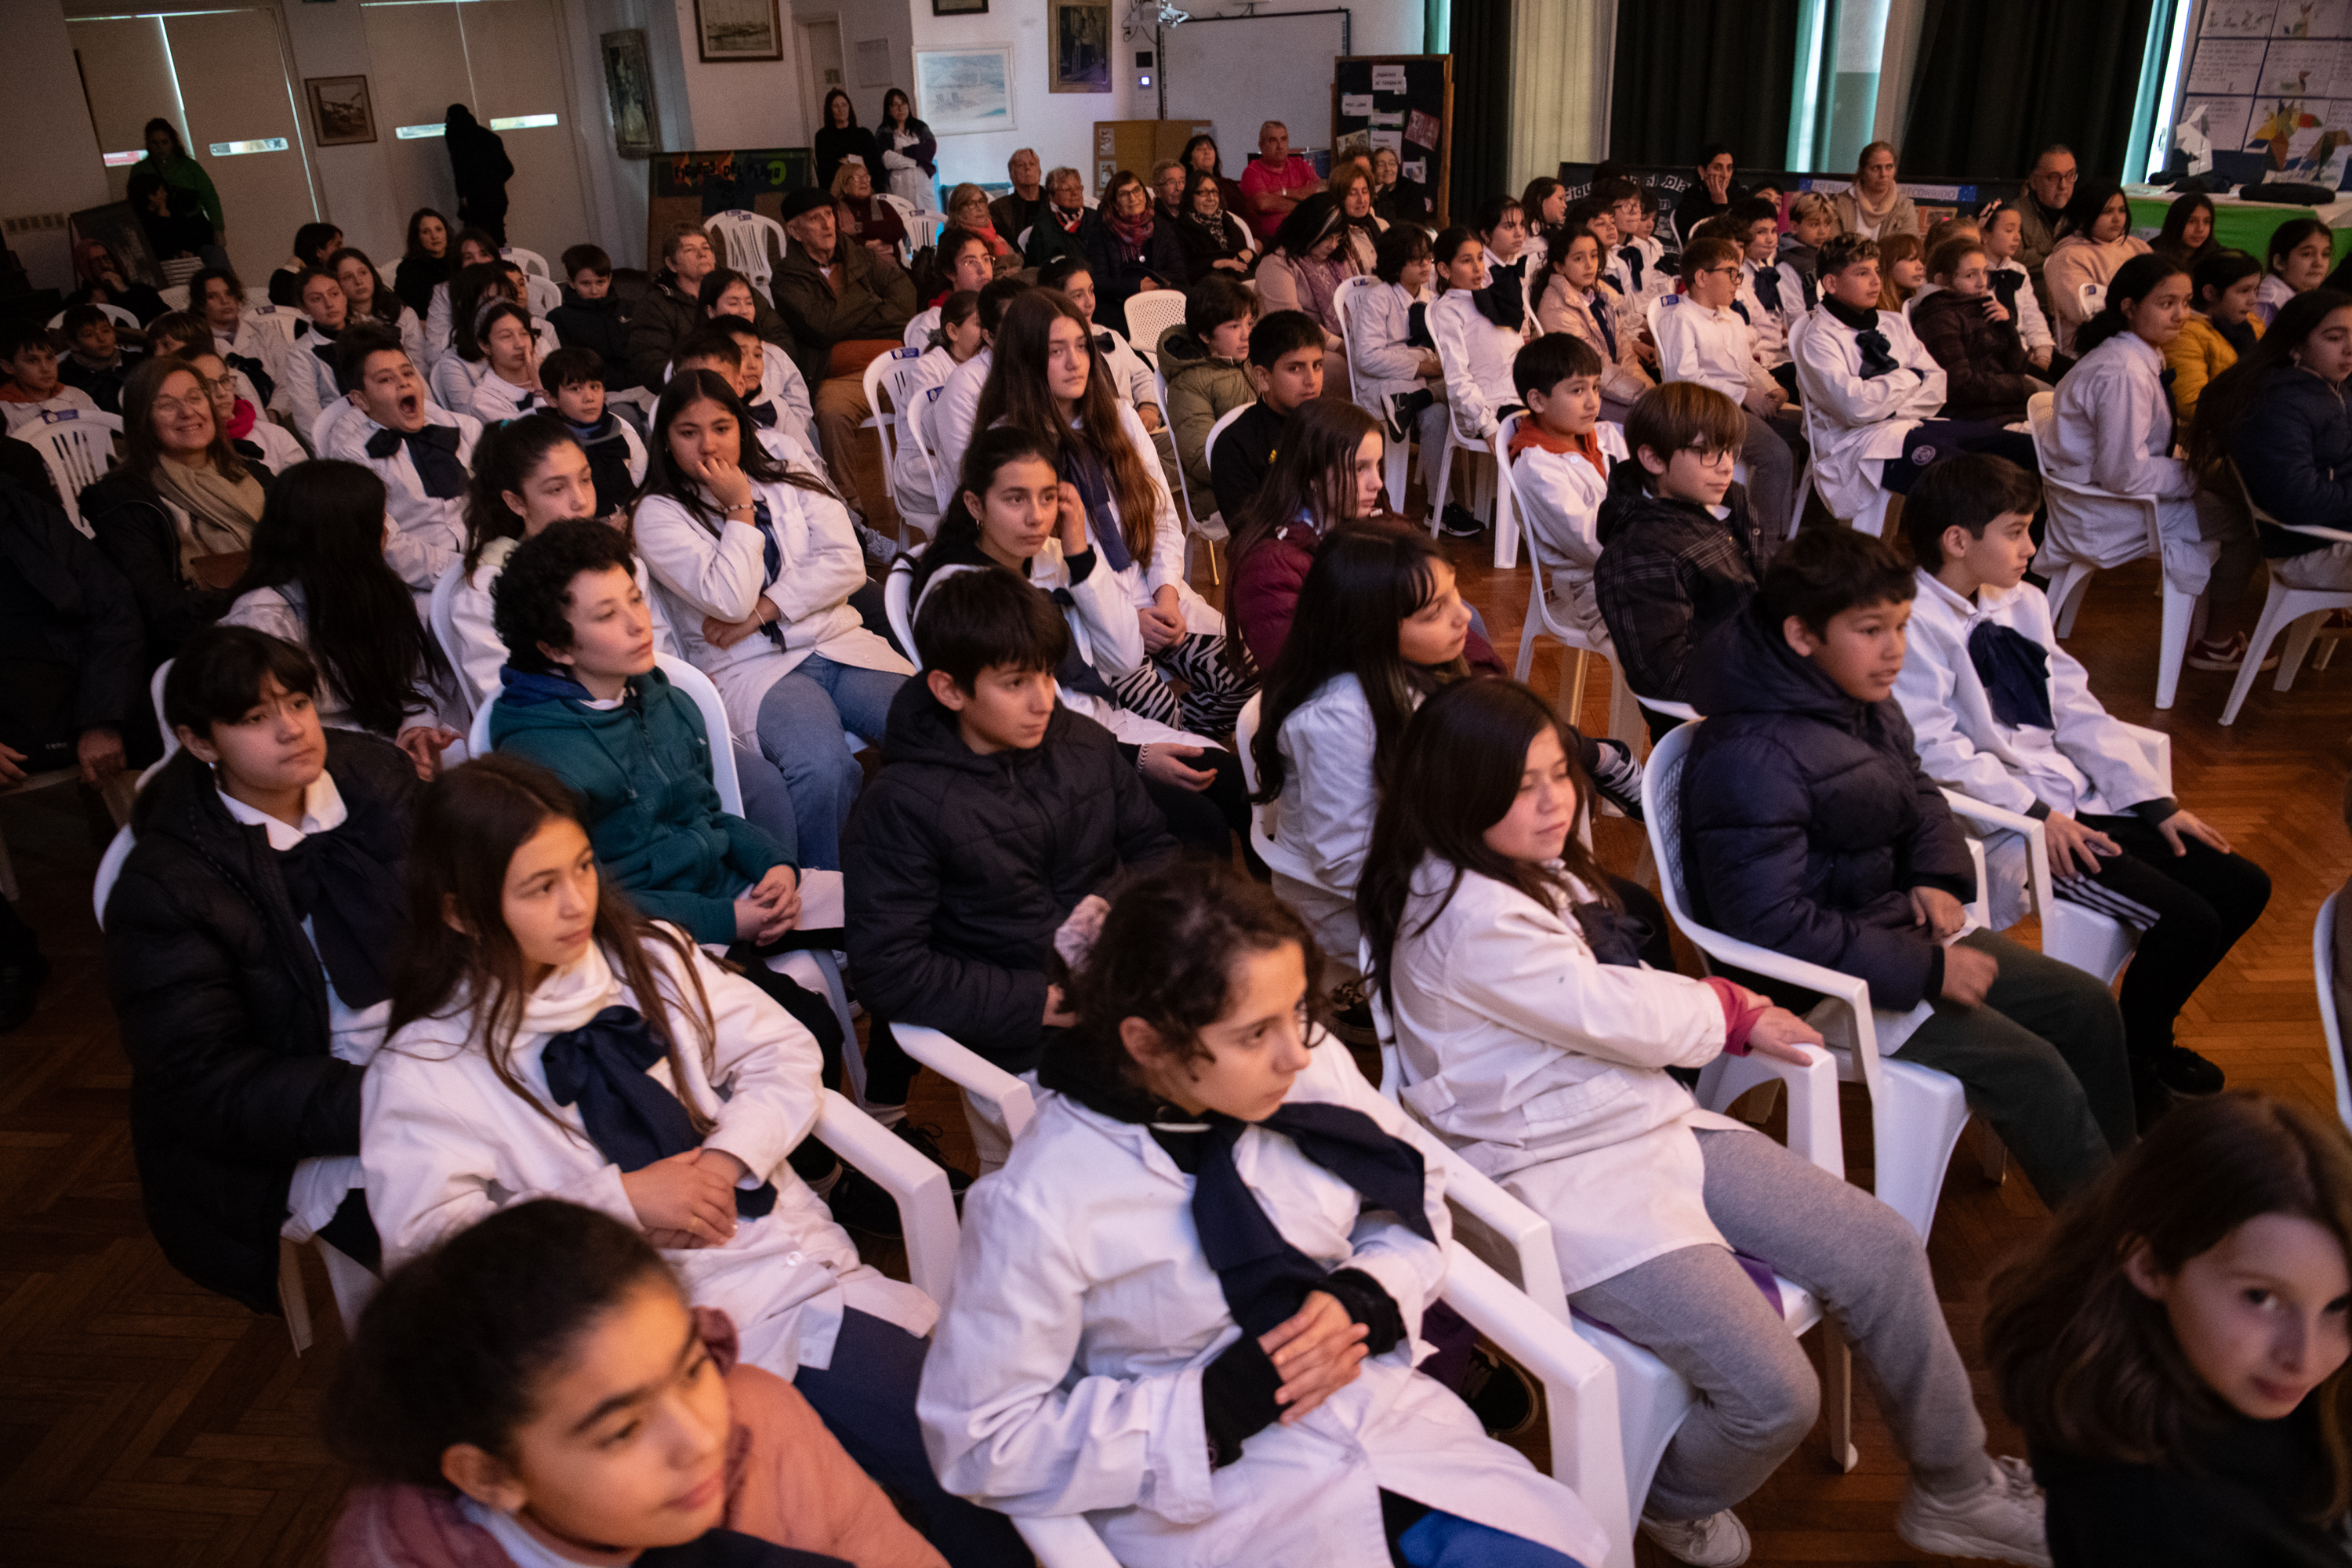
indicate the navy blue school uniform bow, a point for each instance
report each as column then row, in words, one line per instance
column 1263, row 1276
column 1631, row 257
column 2015, row 670
column 630, row 1117
column 1768, row 288
column 1093, row 485
column 762, row 415
column 434, row 450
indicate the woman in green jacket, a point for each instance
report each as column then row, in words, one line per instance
column 169, row 158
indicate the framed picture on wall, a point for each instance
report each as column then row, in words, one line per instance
column 340, row 114
column 629, row 94
column 1080, row 41
column 958, row 91
column 959, row 7
column 738, row 30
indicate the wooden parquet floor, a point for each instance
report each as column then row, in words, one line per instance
column 147, row 1424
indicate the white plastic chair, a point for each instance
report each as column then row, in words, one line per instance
column 77, row 447
column 744, row 236
column 2066, row 499
column 898, row 602
column 174, row 298
column 1208, row 530
column 2071, row 933
column 532, row 263
column 2323, row 972
column 1397, row 461
column 888, row 371
column 915, row 426
column 2294, row 611
column 1483, row 496
column 1249, row 240
column 441, row 616
column 1871, row 519
column 1572, row 638
column 1917, row 1112
column 1261, row 830
column 1151, row 312
column 1209, row 449
column 115, row 313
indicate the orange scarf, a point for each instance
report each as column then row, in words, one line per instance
column 1587, row 446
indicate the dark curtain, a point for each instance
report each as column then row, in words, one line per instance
column 1997, row 80
column 1481, row 165
column 1693, row 71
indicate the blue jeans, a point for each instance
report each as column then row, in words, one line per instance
column 866, row 1400
column 802, row 721
column 766, row 803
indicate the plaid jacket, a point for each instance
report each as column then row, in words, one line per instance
column 1670, row 571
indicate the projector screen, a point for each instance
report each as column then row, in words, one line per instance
column 1240, row 71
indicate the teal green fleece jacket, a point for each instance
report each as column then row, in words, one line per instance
column 643, row 772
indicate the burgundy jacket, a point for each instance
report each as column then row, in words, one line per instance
column 1264, row 593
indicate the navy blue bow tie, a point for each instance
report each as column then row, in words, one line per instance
column 762, row 415
column 2015, row 670
column 1768, row 288
column 1631, row 257
column 434, row 450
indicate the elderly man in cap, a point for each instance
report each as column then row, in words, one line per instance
column 847, row 306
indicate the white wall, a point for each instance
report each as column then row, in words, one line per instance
column 355, row 184
column 1059, row 125
column 54, row 158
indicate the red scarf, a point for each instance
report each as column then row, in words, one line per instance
column 240, row 424
column 1587, row 446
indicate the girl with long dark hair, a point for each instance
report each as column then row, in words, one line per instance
column 2188, row 233
column 509, row 387
column 839, row 136
column 1327, row 473
column 2295, row 262
column 1534, row 1041
column 368, row 299
column 318, row 578
column 1047, row 379
column 425, row 260
column 909, row 152
column 546, row 1040
column 2097, row 241
column 2278, row 415
column 453, row 377
column 1271, row 1411
column 757, row 561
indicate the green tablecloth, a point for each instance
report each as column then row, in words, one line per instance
column 2241, row 228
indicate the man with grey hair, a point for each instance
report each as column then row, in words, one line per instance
column 1067, row 226
column 1021, row 207
column 2048, row 188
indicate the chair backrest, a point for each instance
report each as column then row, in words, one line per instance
column 1249, row 240
column 174, row 298
column 743, row 239
column 77, row 447
column 1208, row 446
column 322, row 428
column 1662, row 806
column 1183, row 491
column 2092, row 298
column 110, row 871
column 155, row 696
column 915, row 426
column 531, row 261
column 441, row 614
column 899, row 601
column 2322, row 970
column 886, row 372
column 543, row 294
column 115, row 313
column 1151, row 312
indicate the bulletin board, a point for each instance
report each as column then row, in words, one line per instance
column 1404, row 102
column 2273, row 77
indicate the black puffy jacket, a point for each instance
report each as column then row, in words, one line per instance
column 223, row 1010
column 1807, row 820
column 960, row 866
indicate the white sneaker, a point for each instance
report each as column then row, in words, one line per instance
column 2003, row 1521
column 1719, row 1540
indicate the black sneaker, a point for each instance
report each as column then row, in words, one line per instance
column 1458, row 521
column 20, row 988
column 923, row 1141
column 860, row 1205
column 1502, row 1397
column 1404, row 410
column 2183, row 1071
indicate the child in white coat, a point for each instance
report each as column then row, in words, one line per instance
column 546, row 1041
column 1869, row 382
column 1535, row 1043
column 1190, row 1304
column 421, row 452
column 759, row 562
column 1475, row 349
column 1706, row 337
column 1560, row 461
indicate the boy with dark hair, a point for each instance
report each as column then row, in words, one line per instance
column 423, row 453
column 1680, row 552
column 959, row 401
column 29, row 356
column 2005, row 715
column 95, row 360
column 1286, row 368
column 995, row 812
column 1808, row 828
column 1561, row 459
column 1706, row 337
column 581, row 695
column 1203, row 359
column 574, row 379
column 591, row 315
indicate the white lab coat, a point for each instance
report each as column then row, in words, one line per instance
column 1164, row 567
column 2089, row 764
column 454, row 377
column 721, row 574
column 1066, row 1375
column 1771, row 326
column 1559, row 498
column 1380, row 364
column 2112, row 428
column 1857, row 424
column 445, row 1144
column 1545, row 1068
column 956, row 407
column 497, row 398
column 430, row 532
column 1323, row 817
column 280, row 449
column 306, row 381
column 1712, row 347
column 1477, row 356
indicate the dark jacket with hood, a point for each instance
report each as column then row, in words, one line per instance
column 1670, row 571
column 2293, row 444
column 223, row 1009
column 643, row 774
column 602, row 325
column 127, row 517
column 1985, row 374
column 1807, row 819
column 958, row 866
column 666, row 316
column 875, row 299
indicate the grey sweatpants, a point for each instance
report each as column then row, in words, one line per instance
column 1697, row 1311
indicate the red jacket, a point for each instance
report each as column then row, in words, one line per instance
column 1264, row 593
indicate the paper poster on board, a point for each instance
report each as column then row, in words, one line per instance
column 1389, row 142
column 1421, row 128
column 1354, row 103
column 2240, row 19
column 1388, row 79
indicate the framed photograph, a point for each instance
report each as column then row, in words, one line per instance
column 961, row 91
column 117, row 227
column 629, row 94
column 1080, row 42
column 959, row 7
column 340, row 114
column 738, row 30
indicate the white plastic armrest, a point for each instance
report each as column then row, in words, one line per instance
column 1682, row 710
column 1527, row 1232
column 926, row 1207
column 2037, row 843
column 1847, row 988
column 2157, row 747
column 1007, row 1099
column 1814, row 1134
column 1579, row 1384
column 1064, row 1540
